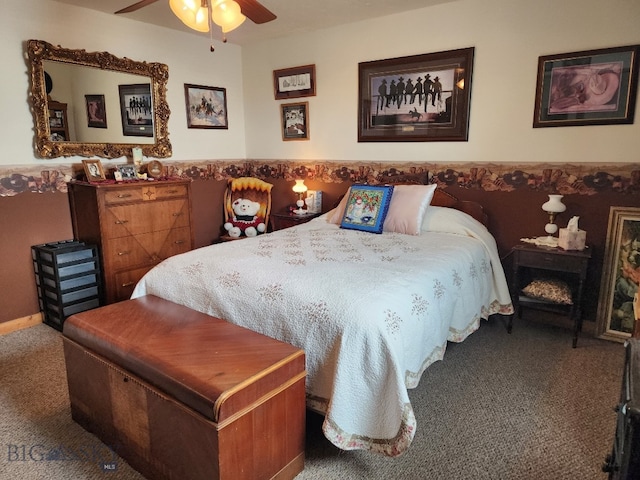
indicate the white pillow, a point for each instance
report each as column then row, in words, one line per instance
column 408, row 206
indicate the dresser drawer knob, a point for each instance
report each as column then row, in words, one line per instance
column 128, row 284
column 121, row 222
column 126, row 252
column 172, row 191
column 177, row 214
column 124, row 195
column 179, row 242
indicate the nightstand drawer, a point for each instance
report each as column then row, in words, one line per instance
column 550, row 261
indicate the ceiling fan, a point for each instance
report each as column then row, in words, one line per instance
column 188, row 10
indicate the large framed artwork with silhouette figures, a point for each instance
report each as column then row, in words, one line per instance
column 419, row 98
column 620, row 274
column 593, row 87
column 136, row 109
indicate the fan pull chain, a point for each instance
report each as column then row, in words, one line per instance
column 211, row 48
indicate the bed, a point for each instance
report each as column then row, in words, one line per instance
column 371, row 311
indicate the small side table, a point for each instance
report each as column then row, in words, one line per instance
column 571, row 265
column 289, row 219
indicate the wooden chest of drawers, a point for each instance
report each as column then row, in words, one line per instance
column 135, row 226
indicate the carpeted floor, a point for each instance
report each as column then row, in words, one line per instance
column 521, row 406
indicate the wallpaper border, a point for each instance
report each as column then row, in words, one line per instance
column 566, row 179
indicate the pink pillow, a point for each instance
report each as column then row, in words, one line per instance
column 408, row 206
column 335, row 215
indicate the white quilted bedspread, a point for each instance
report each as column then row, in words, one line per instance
column 371, row 312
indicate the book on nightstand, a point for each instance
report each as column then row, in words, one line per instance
column 314, row 201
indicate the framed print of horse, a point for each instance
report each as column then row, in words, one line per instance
column 206, row 106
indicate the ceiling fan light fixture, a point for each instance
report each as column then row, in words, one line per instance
column 227, row 15
column 191, row 13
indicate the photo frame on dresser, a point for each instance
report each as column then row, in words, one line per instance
column 591, row 87
column 127, row 171
column 620, row 275
column 93, row 170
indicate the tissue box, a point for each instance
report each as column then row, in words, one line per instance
column 572, row 240
column 314, row 201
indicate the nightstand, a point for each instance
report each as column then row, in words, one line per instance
column 567, row 265
column 289, row 219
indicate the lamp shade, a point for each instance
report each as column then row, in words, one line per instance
column 191, row 13
column 227, row 14
column 299, row 187
column 554, row 204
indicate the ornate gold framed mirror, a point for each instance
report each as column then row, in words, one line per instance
column 65, row 124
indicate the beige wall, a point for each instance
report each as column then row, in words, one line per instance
column 508, row 36
column 187, row 56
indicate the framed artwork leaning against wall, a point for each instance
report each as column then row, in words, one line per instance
column 620, row 274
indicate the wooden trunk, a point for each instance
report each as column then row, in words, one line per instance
column 182, row 395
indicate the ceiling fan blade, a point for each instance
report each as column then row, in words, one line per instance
column 255, row 11
column 136, row 6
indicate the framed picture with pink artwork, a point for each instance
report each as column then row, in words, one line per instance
column 592, row 87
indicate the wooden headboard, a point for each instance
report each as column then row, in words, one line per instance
column 444, row 199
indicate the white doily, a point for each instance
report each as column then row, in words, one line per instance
column 547, row 241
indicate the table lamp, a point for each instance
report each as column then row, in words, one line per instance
column 553, row 206
column 300, row 188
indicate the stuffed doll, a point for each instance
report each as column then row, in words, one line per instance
column 245, row 220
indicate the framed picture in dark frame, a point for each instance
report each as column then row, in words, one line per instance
column 620, row 275
column 592, row 87
column 136, row 109
column 96, row 111
column 295, row 121
column 206, row 106
column 419, row 98
column 295, row 82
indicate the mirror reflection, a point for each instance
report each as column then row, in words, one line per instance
column 96, row 110
column 96, row 104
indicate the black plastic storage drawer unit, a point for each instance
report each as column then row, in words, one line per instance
column 67, row 278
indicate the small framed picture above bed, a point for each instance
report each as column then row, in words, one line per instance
column 294, row 82
column 295, row 121
column 419, row 98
